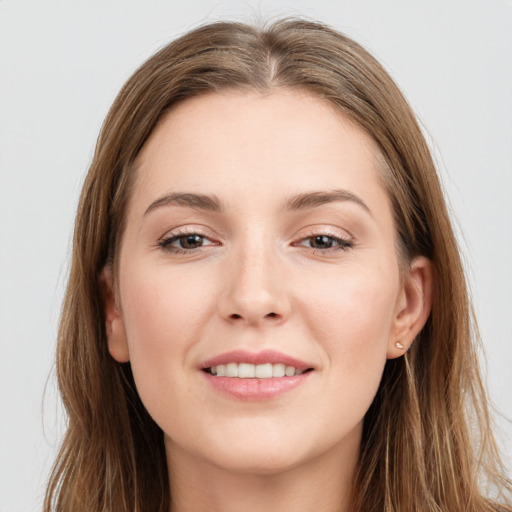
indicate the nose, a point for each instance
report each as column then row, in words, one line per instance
column 254, row 292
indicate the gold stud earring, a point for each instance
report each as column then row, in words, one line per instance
column 399, row 345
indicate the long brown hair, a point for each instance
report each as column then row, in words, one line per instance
column 427, row 443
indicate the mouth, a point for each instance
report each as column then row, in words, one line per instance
column 255, row 376
column 252, row 371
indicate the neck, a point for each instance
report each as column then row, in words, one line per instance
column 323, row 483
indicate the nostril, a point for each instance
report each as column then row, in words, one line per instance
column 236, row 316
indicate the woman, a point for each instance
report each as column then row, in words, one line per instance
column 266, row 305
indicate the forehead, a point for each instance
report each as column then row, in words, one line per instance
column 286, row 141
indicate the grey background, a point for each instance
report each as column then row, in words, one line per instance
column 61, row 65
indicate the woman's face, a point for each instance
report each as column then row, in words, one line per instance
column 259, row 237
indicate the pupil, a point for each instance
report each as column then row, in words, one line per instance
column 321, row 242
column 190, row 241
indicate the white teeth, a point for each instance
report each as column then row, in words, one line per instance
column 264, row 371
column 289, row 371
column 246, row 371
column 251, row 371
column 231, row 370
column 278, row 370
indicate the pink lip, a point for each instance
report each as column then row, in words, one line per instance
column 265, row 356
column 255, row 389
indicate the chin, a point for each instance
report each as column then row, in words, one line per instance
column 254, row 452
column 259, row 462
column 264, row 451
column 257, row 446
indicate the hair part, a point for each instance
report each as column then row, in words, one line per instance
column 418, row 451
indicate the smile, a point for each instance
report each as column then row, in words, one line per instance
column 255, row 376
column 252, row 371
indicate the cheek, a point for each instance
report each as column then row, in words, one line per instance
column 358, row 305
column 164, row 314
column 165, row 306
column 352, row 323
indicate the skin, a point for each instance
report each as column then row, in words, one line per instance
column 260, row 280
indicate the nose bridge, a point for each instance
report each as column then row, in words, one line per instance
column 254, row 291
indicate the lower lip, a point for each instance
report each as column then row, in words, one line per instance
column 255, row 389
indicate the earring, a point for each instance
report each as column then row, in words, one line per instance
column 399, row 345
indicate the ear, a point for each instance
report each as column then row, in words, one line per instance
column 116, row 334
column 413, row 306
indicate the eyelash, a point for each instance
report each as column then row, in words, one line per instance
column 343, row 244
column 165, row 243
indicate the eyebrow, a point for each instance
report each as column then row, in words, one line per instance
column 189, row 200
column 212, row 203
column 314, row 199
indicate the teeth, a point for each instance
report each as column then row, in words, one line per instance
column 264, row 371
column 289, row 371
column 231, row 370
column 247, row 371
column 278, row 370
column 251, row 371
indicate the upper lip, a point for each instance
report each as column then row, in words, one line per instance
column 262, row 357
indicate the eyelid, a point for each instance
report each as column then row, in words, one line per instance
column 185, row 230
column 345, row 241
column 172, row 235
column 342, row 240
column 318, row 230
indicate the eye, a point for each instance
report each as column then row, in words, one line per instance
column 324, row 242
column 184, row 242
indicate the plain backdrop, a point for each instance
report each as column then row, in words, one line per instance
column 61, row 65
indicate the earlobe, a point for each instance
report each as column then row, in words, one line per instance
column 114, row 325
column 414, row 306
